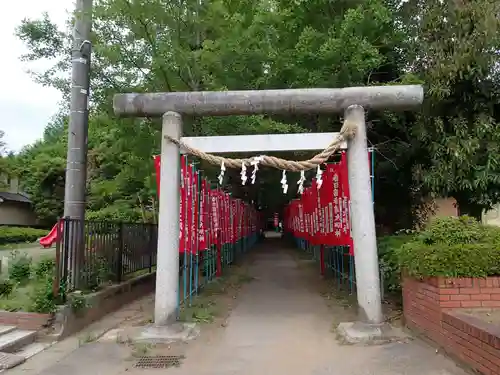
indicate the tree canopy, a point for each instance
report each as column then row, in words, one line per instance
column 449, row 148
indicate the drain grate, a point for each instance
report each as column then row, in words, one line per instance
column 159, row 361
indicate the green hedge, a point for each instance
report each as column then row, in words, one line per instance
column 387, row 247
column 452, row 247
column 10, row 235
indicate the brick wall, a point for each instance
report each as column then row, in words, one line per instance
column 432, row 306
column 421, row 307
column 472, row 341
column 25, row 320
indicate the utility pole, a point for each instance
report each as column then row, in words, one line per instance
column 76, row 164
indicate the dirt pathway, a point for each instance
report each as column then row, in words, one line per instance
column 280, row 324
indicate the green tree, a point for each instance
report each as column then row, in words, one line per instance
column 456, row 53
column 216, row 45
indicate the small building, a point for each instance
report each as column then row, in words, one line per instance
column 445, row 207
column 492, row 217
column 16, row 208
column 448, row 207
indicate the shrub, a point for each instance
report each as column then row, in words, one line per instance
column 43, row 300
column 19, row 267
column 452, row 247
column 453, row 231
column 44, row 267
column 391, row 272
column 20, row 234
column 96, row 271
column 6, row 287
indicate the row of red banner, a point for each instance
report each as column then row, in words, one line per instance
column 208, row 216
column 322, row 216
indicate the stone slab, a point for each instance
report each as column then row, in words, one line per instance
column 179, row 332
column 16, row 339
column 6, row 329
column 358, row 333
column 9, row 360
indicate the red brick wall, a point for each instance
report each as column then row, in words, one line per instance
column 421, row 307
column 432, row 306
column 25, row 320
column 473, row 341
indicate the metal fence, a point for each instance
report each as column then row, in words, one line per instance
column 102, row 252
column 338, row 263
column 200, row 267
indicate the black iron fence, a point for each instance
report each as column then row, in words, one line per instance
column 98, row 253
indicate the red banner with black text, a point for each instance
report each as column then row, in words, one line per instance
column 208, row 216
column 321, row 215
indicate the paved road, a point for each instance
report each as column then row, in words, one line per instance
column 281, row 325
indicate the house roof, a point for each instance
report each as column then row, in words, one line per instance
column 14, row 197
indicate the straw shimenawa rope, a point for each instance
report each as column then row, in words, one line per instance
column 348, row 130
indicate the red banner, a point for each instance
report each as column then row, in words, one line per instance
column 189, row 209
column 202, row 225
column 227, row 218
column 346, row 204
column 214, row 199
column 327, row 203
column 322, row 216
column 234, row 221
column 208, row 216
column 341, row 229
column 157, row 162
column 183, row 205
column 194, row 210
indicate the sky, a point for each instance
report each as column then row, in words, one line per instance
column 25, row 106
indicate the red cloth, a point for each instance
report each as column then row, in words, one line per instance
column 183, row 205
column 202, row 224
column 157, row 162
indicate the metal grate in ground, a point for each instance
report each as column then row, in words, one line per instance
column 159, row 361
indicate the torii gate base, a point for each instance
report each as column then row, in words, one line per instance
column 351, row 101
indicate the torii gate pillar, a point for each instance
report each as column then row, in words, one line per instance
column 363, row 221
column 167, row 258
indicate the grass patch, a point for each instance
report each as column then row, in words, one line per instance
column 141, row 349
column 87, row 338
column 20, row 299
column 202, row 310
column 16, row 246
column 28, row 285
column 207, row 306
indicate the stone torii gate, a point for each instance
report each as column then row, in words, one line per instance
column 352, row 102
